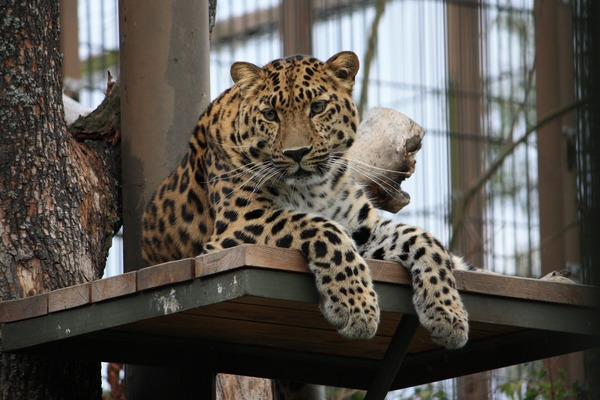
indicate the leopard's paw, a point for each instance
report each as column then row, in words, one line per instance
column 447, row 323
column 356, row 316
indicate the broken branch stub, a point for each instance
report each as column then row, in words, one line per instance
column 383, row 155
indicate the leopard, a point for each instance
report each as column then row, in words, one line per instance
column 268, row 164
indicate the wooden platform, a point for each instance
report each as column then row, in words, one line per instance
column 252, row 310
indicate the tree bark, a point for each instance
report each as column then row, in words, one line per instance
column 59, row 197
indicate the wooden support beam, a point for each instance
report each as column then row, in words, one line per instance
column 392, row 361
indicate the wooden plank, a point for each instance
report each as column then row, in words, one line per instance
column 246, row 309
column 392, row 272
column 166, row 274
column 213, row 263
column 532, row 314
column 276, row 258
column 69, row 297
column 251, row 256
column 120, row 310
column 389, row 320
column 235, row 310
column 255, row 325
column 283, row 313
column 20, row 309
column 309, row 339
column 288, row 287
column 527, row 288
column 115, row 286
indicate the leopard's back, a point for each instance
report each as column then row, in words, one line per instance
column 179, row 217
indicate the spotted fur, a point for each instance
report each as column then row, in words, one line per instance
column 266, row 164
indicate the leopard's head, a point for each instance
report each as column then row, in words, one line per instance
column 296, row 115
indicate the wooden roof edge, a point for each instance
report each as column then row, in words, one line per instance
column 258, row 256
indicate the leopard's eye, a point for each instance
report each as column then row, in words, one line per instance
column 317, row 107
column 269, row 114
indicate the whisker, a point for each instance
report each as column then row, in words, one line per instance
column 388, row 185
column 257, row 174
column 375, row 175
column 362, row 163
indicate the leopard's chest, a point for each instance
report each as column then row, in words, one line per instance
column 321, row 199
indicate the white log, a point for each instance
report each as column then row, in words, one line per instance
column 383, row 156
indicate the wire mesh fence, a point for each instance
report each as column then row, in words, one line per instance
column 410, row 74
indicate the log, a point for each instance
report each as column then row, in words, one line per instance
column 383, row 156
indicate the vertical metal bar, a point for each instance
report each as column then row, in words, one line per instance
column 385, row 374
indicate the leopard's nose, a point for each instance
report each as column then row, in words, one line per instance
column 298, row 153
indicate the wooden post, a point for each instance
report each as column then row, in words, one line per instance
column 466, row 145
column 69, row 46
column 559, row 234
column 466, row 149
column 557, row 177
column 296, row 27
column 165, row 87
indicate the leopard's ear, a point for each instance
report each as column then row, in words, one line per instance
column 344, row 65
column 245, row 75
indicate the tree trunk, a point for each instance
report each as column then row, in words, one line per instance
column 58, row 196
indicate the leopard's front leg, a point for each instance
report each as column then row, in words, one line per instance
column 436, row 300
column 342, row 276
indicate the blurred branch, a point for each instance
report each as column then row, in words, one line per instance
column 508, row 150
column 461, row 204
